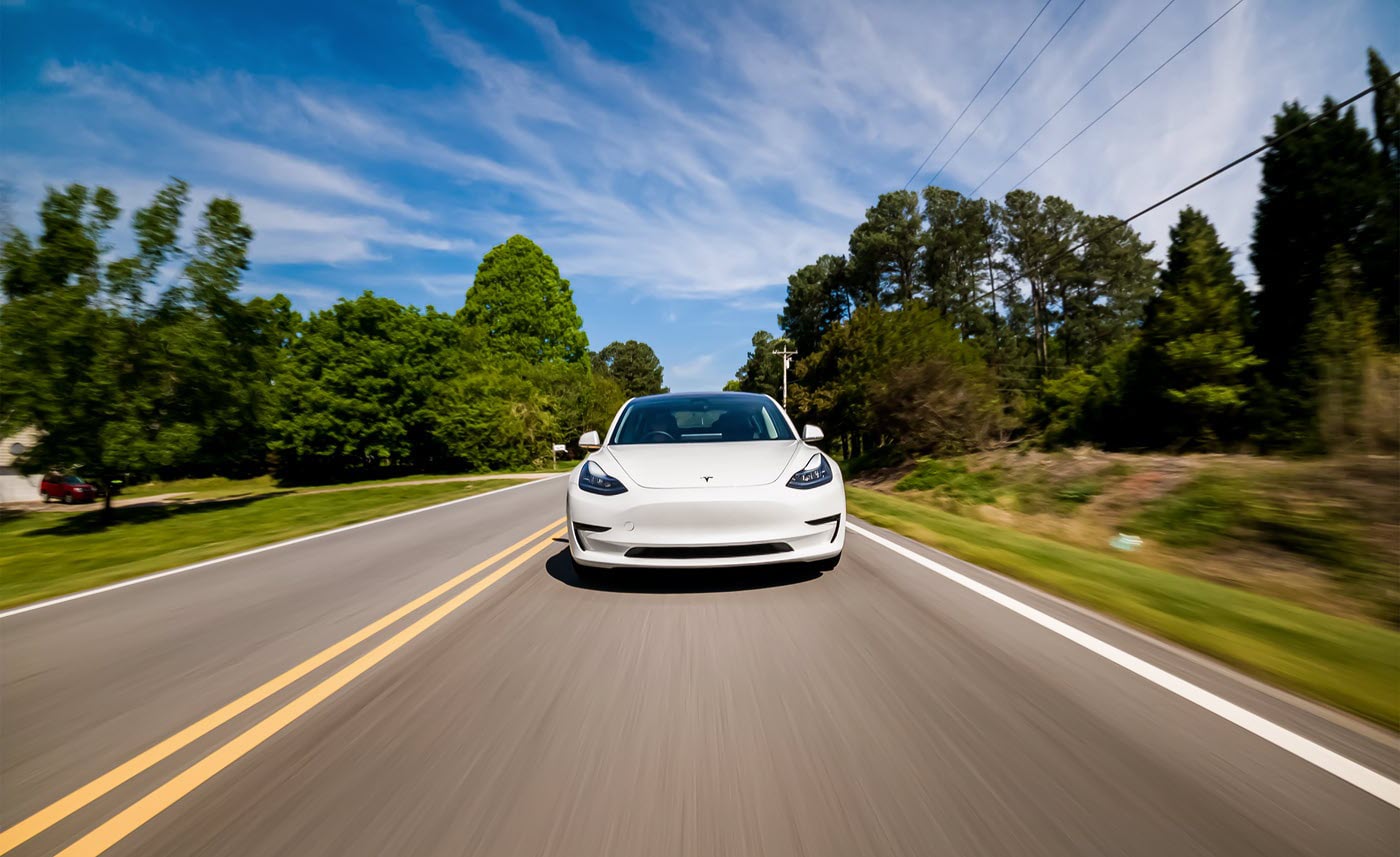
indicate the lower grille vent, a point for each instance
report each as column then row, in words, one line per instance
column 710, row 552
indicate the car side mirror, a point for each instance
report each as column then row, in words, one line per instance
column 812, row 434
column 590, row 440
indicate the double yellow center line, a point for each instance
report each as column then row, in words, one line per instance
column 155, row 802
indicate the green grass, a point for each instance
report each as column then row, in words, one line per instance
column 1079, row 491
column 952, row 480
column 217, row 487
column 1215, row 508
column 45, row 554
column 1350, row 664
column 952, row 484
column 208, row 488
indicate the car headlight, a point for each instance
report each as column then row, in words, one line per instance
column 816, row 472
column 595, row 480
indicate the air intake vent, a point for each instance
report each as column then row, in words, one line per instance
column 710, row 552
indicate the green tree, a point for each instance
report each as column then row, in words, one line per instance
column 228, row 348
column 1195, row 356
column 1342, row 346
column 901, row 379
column 817, row 296
column 1038, row 234
column 1104, row 296
column 120, row 372
column 959, row 278
column 577, row 398
column 1380, row 251
column 886, row 249
column 491, row 420
column 354, row 391
column 762, row 371
column 524, row 305
column 1318, row 189
column 633, row 365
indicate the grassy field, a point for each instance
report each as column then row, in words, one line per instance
column 218, row 487
column 1320, row 532
column 44, row 554
column 1351, row 664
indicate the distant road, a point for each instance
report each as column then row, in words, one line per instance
column 478, row 699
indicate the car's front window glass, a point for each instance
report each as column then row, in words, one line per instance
column 73, row 480
column 701, row 419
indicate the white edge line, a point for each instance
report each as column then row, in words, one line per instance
column 1310, row 751
column 15, row 611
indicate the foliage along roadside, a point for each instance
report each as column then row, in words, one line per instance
column 953, row 324
column 130, row 374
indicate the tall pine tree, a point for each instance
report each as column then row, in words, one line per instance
column 1194, row 360
column 1320, row 187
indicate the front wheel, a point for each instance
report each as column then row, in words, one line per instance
column 826, row 564
column 68, row 499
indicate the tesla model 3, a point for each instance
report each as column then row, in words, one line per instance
column 703, row 480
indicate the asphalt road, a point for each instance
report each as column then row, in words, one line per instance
column 882, row 708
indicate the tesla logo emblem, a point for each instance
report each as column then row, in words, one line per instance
column 707, row 478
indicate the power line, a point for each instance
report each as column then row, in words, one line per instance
column 1126, row 94
column 1076, row 94
column 979, row 93
column 974, row 131
column 1268, row 144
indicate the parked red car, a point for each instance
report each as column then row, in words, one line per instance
column 67, row 489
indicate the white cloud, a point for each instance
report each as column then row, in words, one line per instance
column 749, row 141
column 690, row 370
column 307, row 298
column 242, row 161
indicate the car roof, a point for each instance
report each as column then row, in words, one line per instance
column 661, row 397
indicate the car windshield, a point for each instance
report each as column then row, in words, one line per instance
column 74, row 480
column 701, row 419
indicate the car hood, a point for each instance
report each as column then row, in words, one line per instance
column 685, row 465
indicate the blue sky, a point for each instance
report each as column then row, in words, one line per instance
column 677, row 161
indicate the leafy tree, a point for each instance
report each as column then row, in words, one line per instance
column 524, row 305
column 959, row 277
column 1318, row 189
column 228, row 348
column 817, row 296
column 1195, row 356
column 356, row 385
column 1342, row 346
column 885, row 249
column 633, row 365
column 1038, row 232
column 901, row 378
column 489, row 420
column 577, row 398
column 119, row 372
column 1380, row 240
column 1102, row 300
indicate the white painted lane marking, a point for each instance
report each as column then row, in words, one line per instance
column 1333, row 763
column 121, row 584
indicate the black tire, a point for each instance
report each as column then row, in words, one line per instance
column 67, row 499
column 45, row 495
column 826, row 564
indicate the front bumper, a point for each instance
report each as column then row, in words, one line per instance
column 706, row 527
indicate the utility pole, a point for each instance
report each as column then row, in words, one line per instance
column 787, row 354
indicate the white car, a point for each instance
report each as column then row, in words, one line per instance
column 700, row 480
